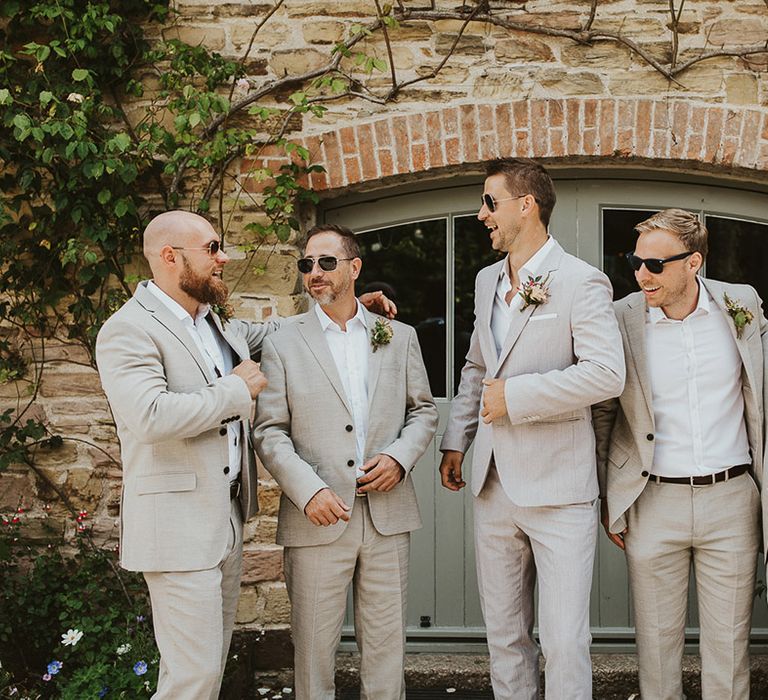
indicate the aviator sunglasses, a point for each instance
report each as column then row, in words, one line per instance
column 653, row 265
column 213, row 248
column 491, row 203
column 327, row 263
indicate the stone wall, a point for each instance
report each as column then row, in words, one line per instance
column 502, row 92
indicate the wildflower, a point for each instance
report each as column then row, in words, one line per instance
column 75, row 97
column 140, row 618
column 46, row 677
column 71, row 637
column 242, row 84
column 140, row 668
column 123, row 649
column 103, row 691
column 20, row 509
column 54, row 667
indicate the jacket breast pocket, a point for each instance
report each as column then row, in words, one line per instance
column 618, row 455
column 166, row 483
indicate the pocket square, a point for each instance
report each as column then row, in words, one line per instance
column 541, row 317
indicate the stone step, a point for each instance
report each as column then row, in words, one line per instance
column 465, row 677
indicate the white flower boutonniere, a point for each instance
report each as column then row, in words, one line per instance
column 740, row 314
column 381, row 333
column 224, row 311
column 534, row 292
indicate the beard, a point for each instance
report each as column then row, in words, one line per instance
column 331, row 293
column 205, row 289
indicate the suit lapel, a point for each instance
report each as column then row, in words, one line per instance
column 313, row 334
column 549, row 265
column 634, row 325
column 374, row 358
column 233, row 341
column 163, row 315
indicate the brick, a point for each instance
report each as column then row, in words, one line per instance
column 352, row 169
column 453, row 151
column 590, row 113
column 522, row 143
column 607, row 127
column 643, row 137
column 573, row 132
column 319, row 181
column 383, row 136
column 504, row 129
column 315, row 148
column 661, row 142
column 555, row 112
column 713, row 136
column 434, row 140
column 680, row 120
column 749, row 141
column 485, row 118
column 367, row 156
column 695, row 138
column 386, row 162
column 762, row 160
column 419, row 159
column 450, row 119
column 416, row 126
column 625, row 142
column 520, row 113
column 556, row 143
column 332, row 159
column 590, row 142
column 488, row 147
column 468, row 125
column 402, row 146
column 731, row 136
column 348, row 141
column 539, row 130
column 764, row 133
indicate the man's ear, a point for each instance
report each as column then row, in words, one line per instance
column 696, row 261
column 357, row 266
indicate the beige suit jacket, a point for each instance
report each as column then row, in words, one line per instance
column 558, row 358
column 625, row 426
column 303, row 420
column 171, row 415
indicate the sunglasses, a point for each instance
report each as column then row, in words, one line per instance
column 327, row 263
column 213, row 248
column 653, row 265
column 491, row 203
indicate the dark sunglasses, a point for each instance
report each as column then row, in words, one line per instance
column 653, row 265
column 213, row 248
column 491, row 203
column 327, row 263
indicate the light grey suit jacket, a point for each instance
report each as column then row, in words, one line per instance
column 558, row 358
column 623, row 425
column 302, row 420
column 171, row 415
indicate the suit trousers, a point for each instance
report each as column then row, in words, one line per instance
column 714, row 528
column 513, row 545
column 318, row 578
column 194, row 615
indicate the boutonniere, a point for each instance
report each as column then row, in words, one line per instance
column 224, row 311
column 381, row 333
column 534, row 292
column 740, row 314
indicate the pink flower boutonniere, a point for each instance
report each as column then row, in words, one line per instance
column 534, row 292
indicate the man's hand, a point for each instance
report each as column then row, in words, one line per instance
column 382, row 473
column 326, row 508
column 450, row 470
column 379, row 303
column 250, row 373
column 494, row 403
column 618, row 540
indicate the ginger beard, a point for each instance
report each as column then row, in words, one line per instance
column 205, row 288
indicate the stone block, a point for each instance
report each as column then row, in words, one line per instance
column 297, row 61
column 15, row 490
column 523, row 49
column 261, row 530
column 503, row 85
column 56, row 457
column 277, row 607
column 249, row 606
column 560, row 82
column 741, row 89
column 263, row 564
column 468, row 45
column 63, row 384
column 269, row 500
column 737, row 31
column 211, row 36
column 270, row 35
column 610, row 56
column 323, row 31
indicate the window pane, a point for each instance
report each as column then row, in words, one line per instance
column 472, row 252
column 738, row 252
column 619, row 238
column 408, row 262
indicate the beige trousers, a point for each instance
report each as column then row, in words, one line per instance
column 515, row 545
column 194, row 614
column 318, row 578
column 715, row 528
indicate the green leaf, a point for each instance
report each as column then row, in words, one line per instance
column 79, row 74
column 194, row 119
column 104, row 196
column 380, row 64
column 5, row 97
column 45, row 97
column 121, row 208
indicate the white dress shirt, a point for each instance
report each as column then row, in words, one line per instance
column 698, row 406
column 349, row 349
column 217, row 354
column 502, row 313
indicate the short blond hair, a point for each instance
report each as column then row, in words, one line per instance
column 684, row 224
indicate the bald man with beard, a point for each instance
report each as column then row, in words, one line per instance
column 180, row 383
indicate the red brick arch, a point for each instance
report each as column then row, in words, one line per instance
column 684, row 133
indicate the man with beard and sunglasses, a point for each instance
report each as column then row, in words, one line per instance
column 544, row 348
column 181, row 383
column 345, row 416
column 680, row 457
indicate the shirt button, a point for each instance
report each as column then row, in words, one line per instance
column 643, row 473
column 351, row 463
column 226, row 470
column 222, row 431
column 348, row 428
column 649, row 436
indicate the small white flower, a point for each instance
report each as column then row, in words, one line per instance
column 123, row 649
column 450, row 690
column 71, row 637
column 263, row 691
column 75, row 97
column 287, row 691
column 243, row 84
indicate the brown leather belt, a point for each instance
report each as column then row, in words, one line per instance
column 702, row 480
column 234, row 488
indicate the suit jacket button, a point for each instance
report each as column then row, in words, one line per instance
column 649, row 436
column 348, row 428
column 351, row 463
column 643, row 473
column 222, row 431
column 226, row 470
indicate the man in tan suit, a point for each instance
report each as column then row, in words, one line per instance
column 181, row 383
column 680, row 457
column 344, row 418
column 545, row 347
